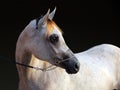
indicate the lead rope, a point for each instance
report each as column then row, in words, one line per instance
column 51, row 67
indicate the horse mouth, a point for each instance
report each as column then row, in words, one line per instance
column 72, row 70
column 71, row 65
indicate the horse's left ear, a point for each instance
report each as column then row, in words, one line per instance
column 51, row 15
column 45, row 18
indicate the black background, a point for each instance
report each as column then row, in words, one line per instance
column 84, row 23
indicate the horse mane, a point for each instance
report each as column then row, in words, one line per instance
column 37, row 20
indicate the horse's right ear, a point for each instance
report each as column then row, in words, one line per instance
column 52, row 14
column 45, row 18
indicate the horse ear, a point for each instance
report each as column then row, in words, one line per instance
column 52, row 14
column 45, row 18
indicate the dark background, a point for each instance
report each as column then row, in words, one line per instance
column 84, row 23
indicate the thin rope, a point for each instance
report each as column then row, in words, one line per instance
column 51, row 67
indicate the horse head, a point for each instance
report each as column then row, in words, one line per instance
column 45, row 41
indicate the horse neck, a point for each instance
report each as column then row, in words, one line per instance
column 25, row 57
column 22, row 55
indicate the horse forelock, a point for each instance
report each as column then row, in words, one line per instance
column 50, row 25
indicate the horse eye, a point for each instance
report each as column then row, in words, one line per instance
column 54, row 38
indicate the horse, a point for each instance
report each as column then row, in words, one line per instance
column 55, row 67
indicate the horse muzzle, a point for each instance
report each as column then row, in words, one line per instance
column 71, row 65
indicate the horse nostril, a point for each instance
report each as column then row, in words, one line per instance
column 76, row 67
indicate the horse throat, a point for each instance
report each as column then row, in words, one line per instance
column 42, row 65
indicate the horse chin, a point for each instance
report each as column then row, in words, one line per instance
column 71, row 65
column 70, row 71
